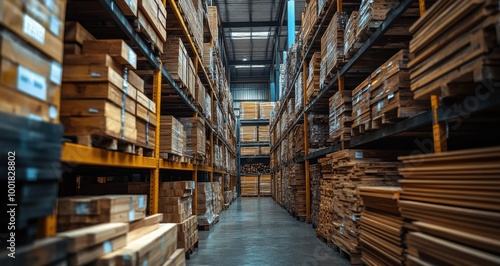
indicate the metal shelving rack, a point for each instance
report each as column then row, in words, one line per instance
column 79, row 155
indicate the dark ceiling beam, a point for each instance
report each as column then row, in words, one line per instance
column 250, row 62
column 254, row 24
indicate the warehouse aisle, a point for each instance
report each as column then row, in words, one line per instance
column 257, row 231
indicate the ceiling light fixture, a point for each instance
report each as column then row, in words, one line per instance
column 245, row 58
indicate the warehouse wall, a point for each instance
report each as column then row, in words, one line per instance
column 249, row 92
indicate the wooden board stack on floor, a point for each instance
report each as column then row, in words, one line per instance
column 175, row 201
column 187, row 233
column 315, row 173
column 81, row 211
column 325, row 225
column 352, row 169
column 451, row 203
column 195, row 136
column 450, row 54
column 318, row 130
column 47, row 251
column 381, row 226
column 173, row 137
column 340, row 119
column 216, row 188
column 297, row 141
column 332, row 46
column 250, row 186
column 298, row 183
column 206, row 215
column 249, row 111
column 312, row 83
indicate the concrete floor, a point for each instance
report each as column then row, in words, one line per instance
column 257, row 231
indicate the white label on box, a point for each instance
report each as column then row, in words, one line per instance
column 358, row 155
column 50, row 5
column 35, row 117
column 95, row 74
column 141, row 202
column 145, row 262
column 390, row 96
column 82, row 208
column 107, row 247
column 132, row 57
column 55, row 25
column 33, row 29
column 93, row 110
column 31, row 174
column 53, row 113
column 56, row 73
column 131, row 215
column 31, row 83
column 380, row 105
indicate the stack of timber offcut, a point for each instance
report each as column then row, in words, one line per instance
column 249, row 111
column 391, row 98
column 265, row 109
column 450, row 201
column 175, row 201
column 381, row 226
column 340, row 119
column 179, row 65
column 173, row 138
column 325, row 225
column 103, row 101
column 313, row 77
column 150, row 19
column 361, row 108
column 195, row 136
column 352, row 169
column 332, row 46
column 371, row 15
column 206, row 215
column 248, row 134
column 82, row 211
column 318, row 130
column 450, row 54
column 315, row 173
column 351, row 39
column 250, row 186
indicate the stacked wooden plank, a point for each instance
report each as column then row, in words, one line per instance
column 265, row 185
column 255, row 168
column 313, row 77
column 175, row 201
column 187, row 233
column 82, row 211
column 190, row 15
column 216, row 188
column 173, row 137
column 315, row 173
column 265, row 150
column 299, row 95
column 340, row 119
column 451, row 200
column 265, row 109
column 208, row 106
column 381, row 226
column 74, row 36
column 200, row 93
column 352, row 169
column 309, row 19
column 318, row 130
column 213, row 22
column 206, row 215
column 249, row 111
column 150, row 19
column 325, row 225
column 298, row 141
column 361, row 108
column 179, row 65
column 249, row 151
column 248, row 134
column 153, row 248
column 332, row 45
column 263, row 132
column 250, row 186
column 463, row 48
column 194, row 127
column 291, row 112
column 391, row 98
column 351, row 39
column 47, row 251
column 208, row 60
column 298, row 183
column 371, row 15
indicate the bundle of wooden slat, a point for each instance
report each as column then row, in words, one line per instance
column 332, row 45
column 318, row 130
column 195, row 136
column 175, row 201
column 250, row 185
column 265, row 185
column 361, row 109
column 299, row 95
column 173, row 137
column 351, row 39
column 340, row 119
column 325, row 225
column 315, row 173
column 352, row 169
column 187, row 233
column 265, row 110
column 381, row 226
column 298, row 183
column 249, row 111
column 206, row 215
column 371, row 15
column 190, row 15
column 309, row 18
column 248, row 134
column 265, row 150
column 249, row 151
column 179, row 65
column 298, row 141
column 313, row 78
column 452, row 201
column 82, row 211
column 46, row 251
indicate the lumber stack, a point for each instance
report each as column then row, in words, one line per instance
column 340, row 119
column 82, row 211
column 179, row 65
column 250, row 186
column 209, row 60
column 249, row 111
column 206, row 215
column 173, row 137
column 265, row 185
column 361, row 109
column 381, row 226
column 451, row 200
column 200, row 93
column 74, row 36
column 265, row 151
column 352, row 42
column 248, row 134
column 216, row 188
column 47, row 251
column 318, row 130
column 153, row 248
column 332, row 45
column 299, row 95
column 391, row 97
column 175, row 201
column 291, row 112
column 150, row 19
column 265, row 109
column 208, row 106
column 193, row 21
column 463, row 48
column 194, row 127
column 263, row 132
column 249, row 151
column 315, row 173
column 213, row 22
column 309, row 18
column 187, row 233
column 371, row 15
column 313, row 77
column 298, row 141
column 325, row 225
column 248, row 168
column 298, row 183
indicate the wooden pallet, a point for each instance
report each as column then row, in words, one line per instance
column 191, row 250
column 208, row 227
column 172, row 157
column 103, row 142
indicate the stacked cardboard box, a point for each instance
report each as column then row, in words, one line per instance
column 173, row 137
column 332, row 45
column 340, row 116
column 82, row 211
column 191, row 17
column 175, row 201
column 216, row 188
column 206, row 215
column 249, row 111
column 309, row 18
column 195, row 136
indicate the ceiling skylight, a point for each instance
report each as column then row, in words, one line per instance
column 250, row 35
column 249, row 66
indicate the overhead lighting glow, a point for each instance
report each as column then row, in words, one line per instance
column 245, row 58
column 249, row 66
column 250, row 35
